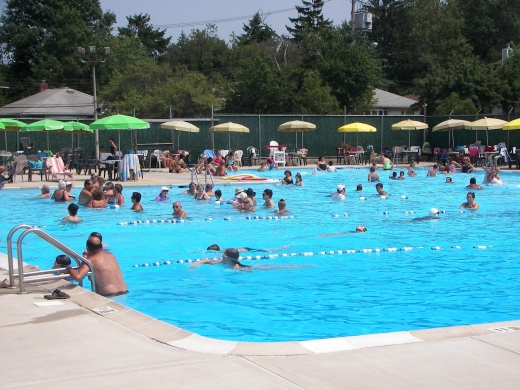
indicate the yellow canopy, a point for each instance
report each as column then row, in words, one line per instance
column 409, row 125
column 295, row 126
column 180, row 125
column 357, row 127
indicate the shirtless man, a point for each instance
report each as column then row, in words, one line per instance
column 473, row 184
column 432, row 171
column 221, row 170
column 109, row 279
column 470, row 204
column 85, row 196
column 282, row 207
column 73, row 213
column 178, row 212
column 45, row 192
column 379, row 189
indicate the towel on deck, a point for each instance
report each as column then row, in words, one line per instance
column 129, row 168
column 56, row 167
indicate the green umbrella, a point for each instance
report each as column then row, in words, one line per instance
column 119, row 122
column 47, row 125
column 80, row 128
column 12, row 124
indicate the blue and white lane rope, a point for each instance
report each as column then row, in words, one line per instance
column 306, row 254
column 250, row 217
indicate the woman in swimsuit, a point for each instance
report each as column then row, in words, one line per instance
column 411, row 170
column 201, row 195
column 322, row 165
column 288, row 178
column 61, row 195
column 373, row 176
column 466, row 165
column 387, row 163
column 267, row 195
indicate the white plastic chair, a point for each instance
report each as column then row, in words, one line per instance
column 238, row 157
column 158, row 153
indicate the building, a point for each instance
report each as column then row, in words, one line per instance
column 387, row 103
column 58, row 103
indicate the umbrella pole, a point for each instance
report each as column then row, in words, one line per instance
column 47, row 140
column 409, row 139
column 296, row 147
column 119, row 139
column 229, row 141
column 5, row 134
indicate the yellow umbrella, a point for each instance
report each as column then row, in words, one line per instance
column 450, row 125
column 409, row 125
column 229, row 127
column 297, row 126
column 486, row 124
column 180, row 126
column 513, row 125
column 357, row 127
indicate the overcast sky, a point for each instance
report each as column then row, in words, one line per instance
column 228, row 15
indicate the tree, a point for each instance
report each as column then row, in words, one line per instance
column 315, row 97
column 352, row 72
column 260, row 88
column 152, row 89
column 202, row 51
column 40, row 41
column 310, row 19
column 454, row 105
column 256, row 31
column 152, row 40
column 508, row 74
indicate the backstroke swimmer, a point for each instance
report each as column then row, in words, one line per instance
column 230, row 259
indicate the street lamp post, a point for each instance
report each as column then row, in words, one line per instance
column 94, row 60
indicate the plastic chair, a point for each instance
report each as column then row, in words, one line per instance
column 238, row 157
column 19, row 166
column 252, row 155
column 36, row 164
column 340, row 155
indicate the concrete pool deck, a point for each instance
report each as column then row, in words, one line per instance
column 69, row 344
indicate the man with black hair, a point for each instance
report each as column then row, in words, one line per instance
column 108, row 277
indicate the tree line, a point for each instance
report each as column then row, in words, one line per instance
column 446, row 52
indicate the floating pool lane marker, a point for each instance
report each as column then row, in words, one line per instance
column 151, row 221
column 404, row 197
column 307, row 254
column 409, row 212
column 361, row 198
column 386, row 212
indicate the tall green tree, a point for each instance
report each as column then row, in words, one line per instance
column 39, row 40
column 256, row 31
column 202, row 51
column 310, row 20
column 150, row 38
column 509, row 76
column 454, row 105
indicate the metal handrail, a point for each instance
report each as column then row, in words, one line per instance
column 51, row 240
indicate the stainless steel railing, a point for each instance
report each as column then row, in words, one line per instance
column 33, row 276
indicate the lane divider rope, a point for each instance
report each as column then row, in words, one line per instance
column 306, row 254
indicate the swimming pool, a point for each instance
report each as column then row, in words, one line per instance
column 336, row 294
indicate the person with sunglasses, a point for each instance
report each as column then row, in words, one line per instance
column 266, row 196
column 178, row 212
column 229, row 259
column 163, row 195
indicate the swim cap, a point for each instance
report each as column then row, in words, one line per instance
column 340, row 187
column 434, row 213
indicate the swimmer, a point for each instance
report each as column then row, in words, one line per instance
column 359, row 187
column 230, row 259
column 379, row 189
column 263, row 167
column 331, row 167
column 393, row 176
column 299, row 181
column 73, row 211
column 411, row 170
column 218, row 196
column 288, row 178
column 322, row 166
column 470, row 202
column 215, row 247
column 178, row 212
column 340, row 193
column 281, row 207
column 45, row 192
column 448, row 180
column 136, row 201
column 163, row 195
column 432, row 172
column 359, row 229
column 473, row 184
column 434, row 214
column 373, row 176
column 401, row 175
column 266, row 196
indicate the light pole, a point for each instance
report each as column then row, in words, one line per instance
column 93, row 59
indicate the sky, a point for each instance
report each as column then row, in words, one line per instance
column 228, row 15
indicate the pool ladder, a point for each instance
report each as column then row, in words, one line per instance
column 194, row 172
column 34, row 276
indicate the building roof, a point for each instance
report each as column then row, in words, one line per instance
column 52, row 103
column 383, row 99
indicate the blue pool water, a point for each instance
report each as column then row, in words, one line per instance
column 332, row 294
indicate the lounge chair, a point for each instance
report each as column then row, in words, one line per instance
column 56, row 167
